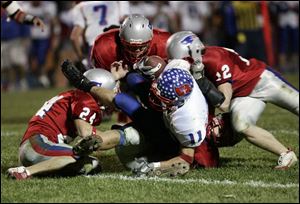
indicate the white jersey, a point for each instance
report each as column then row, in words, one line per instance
column 192, row 14
column 94, row 16
column 188, row 123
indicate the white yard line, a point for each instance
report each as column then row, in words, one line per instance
column 250, row 183
column 284, row 131
column 10, row 133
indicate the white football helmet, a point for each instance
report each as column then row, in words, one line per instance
column 136, row 34
column 171, row 89
column 184, row 44
column 101, row 78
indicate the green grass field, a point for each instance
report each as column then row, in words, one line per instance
column 246, row 174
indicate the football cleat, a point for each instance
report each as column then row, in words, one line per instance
column 286, row 160
column 18, row 173
column 177, row 169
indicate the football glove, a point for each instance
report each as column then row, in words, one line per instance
column 75, row 76
column 87, row 145
column 197, row 69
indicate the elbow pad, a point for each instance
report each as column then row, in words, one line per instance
column 211, row 93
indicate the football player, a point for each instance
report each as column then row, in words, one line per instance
column 45, row 147
column 176, row 94
column 127, row 45
column 247, row 86
column 91, row 17
column 15, row 11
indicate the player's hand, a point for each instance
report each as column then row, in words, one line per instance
column 118, row 70
column 197, row 69
column 75, row 76
column 39, row 23
column 87, row 145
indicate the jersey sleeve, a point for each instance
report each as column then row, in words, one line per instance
column 83, row 107
column 78, row 18
column 218, row 68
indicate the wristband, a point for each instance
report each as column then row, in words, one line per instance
column 11, row 7
column 28, row 19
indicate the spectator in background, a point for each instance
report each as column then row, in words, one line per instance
column 228, row 25
column 89, row 19
column 288, row 21
column 65, row 49
column 15, row 11
column 163, row 17
column 192, row 15
column 14, row 58
column 249, row 29
column 44, row 44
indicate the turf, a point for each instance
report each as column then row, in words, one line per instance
column 246, row 174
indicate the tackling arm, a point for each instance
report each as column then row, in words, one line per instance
column 226, row 89
column 76, row 38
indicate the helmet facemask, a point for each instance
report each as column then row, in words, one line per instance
column 136, row 34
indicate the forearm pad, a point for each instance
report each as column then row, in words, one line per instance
column 211, row 93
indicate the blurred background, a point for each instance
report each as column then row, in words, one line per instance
column 266, row 30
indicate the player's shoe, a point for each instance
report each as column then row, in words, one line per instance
column 177, row 169
column 18, row 173
column 286, row 160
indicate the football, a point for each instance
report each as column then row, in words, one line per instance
column 152, row 66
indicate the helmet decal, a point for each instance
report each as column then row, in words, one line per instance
column 188, row 39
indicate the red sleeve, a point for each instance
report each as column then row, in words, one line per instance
column 218, row 66
column 86, row 108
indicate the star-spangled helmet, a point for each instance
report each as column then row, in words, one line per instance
column 185, row 45
column 102, row 78
column 136, row 33
column 171, row 89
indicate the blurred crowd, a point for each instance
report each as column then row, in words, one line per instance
column 31, row 58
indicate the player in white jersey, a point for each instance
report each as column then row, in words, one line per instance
column 187, row 123
column 16, row 12
column 91, row 17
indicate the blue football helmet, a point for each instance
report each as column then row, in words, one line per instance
column 171, row 89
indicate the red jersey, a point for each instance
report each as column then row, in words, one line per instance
column 225, row 65
column 108, row 48
column 56, row 117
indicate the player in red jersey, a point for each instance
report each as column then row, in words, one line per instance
column 45, row 146
column 135, row 39
column 247, row 86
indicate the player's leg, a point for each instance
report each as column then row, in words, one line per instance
column 273, row 88
column 245, row 113
column 39, row 156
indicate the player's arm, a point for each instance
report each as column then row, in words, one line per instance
column 14, row 11
column 226, row 89
column 94, row 139
column 76, row 39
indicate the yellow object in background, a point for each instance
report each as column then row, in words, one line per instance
column 241, row 37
